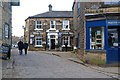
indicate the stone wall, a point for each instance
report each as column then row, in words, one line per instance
column 93, row 57
column 0, row 26
column 6, row 11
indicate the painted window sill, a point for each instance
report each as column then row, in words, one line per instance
column 38, row 46
column 65, row 29
column 38, row 29
column 67, row 46
column 96, row 50
column 52, row 29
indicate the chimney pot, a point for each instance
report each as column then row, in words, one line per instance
column 50, row 7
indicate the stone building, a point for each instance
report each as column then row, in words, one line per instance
column 79, row 22
column 51, row 29
column 93, row 20
column 5, row 23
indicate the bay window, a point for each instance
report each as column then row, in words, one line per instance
column 66, row 40
column 38, row 41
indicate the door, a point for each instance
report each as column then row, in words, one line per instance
column 113, row 54
column 52, row 43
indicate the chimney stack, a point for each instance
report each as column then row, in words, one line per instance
column 50, row 7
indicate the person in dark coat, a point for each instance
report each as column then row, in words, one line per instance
column 20, row 47
column 25, row 47
column 66, row 47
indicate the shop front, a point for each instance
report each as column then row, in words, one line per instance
column 113, row 51
column 103, row 37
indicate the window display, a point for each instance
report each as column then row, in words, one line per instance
column 97, row 38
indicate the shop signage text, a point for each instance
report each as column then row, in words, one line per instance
column 113, row 22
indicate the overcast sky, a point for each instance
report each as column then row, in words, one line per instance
column 32, row 7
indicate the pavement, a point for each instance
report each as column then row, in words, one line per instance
column 7, row 67
column 14, row 66
column 112, row 71
column 0, row 69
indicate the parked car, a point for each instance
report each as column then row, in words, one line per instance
column 15, row 45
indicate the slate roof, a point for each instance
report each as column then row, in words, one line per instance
column 54, row 14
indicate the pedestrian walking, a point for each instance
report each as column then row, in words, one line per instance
column 25, row 47
column 20, row 47
column 66, row 47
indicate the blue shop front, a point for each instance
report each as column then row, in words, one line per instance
column 104, row 35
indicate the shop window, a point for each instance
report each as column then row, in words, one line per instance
column 38, row 25
column 113, row 37
column 0, row 33
column 66, row 40
column 6, row 31
column 52, row 24
column 38, row 41
column 65, row 24
column 97, row 38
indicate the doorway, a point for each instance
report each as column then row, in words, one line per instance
column 113, row 55
column 52, row 43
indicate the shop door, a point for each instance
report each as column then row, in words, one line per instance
column 52, row 43
column 113, row 54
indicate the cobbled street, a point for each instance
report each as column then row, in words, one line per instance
column 41, row 65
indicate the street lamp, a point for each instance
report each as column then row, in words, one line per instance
column 23, row 27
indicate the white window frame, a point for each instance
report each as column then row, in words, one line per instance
column 6, row 31
column 63, row 45
column 54, row 23
column 36, row 24
column 0, row 33
column 38, row 40
column 64, row 28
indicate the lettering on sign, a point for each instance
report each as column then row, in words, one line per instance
column 114, row 22
column 37, row 33
column 31, row 35
column 43, row 42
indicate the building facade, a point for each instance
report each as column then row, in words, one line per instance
column 5, row 23
column 52, row 29
column 6, row 27
column 89, row 17
column 79, row 22
column 103, row 33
